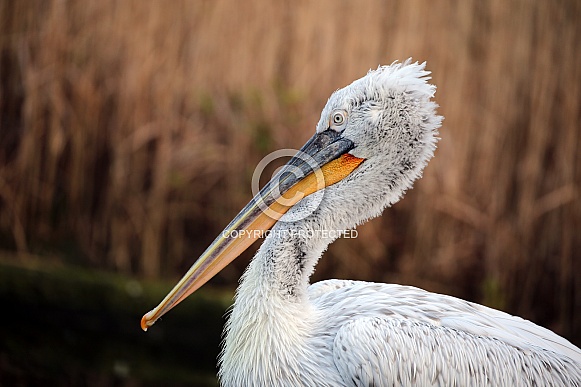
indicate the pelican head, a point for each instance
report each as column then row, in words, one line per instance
column 372, row 141
column 391, row 122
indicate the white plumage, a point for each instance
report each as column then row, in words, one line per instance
column 284, row 332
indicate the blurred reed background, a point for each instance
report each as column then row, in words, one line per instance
column 130, row 131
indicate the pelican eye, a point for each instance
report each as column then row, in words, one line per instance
column 338, row 120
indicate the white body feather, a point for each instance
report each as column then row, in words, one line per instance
column 352, row 333
column 283, row 332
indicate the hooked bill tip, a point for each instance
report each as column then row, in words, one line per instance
column 146, row 322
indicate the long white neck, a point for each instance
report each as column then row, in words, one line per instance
column 272, row 317
column 280, row 271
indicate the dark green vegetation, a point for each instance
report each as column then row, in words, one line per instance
column 68, row 326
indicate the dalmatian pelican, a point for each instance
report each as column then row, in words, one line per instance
column 372, row 141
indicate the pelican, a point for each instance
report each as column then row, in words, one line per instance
column 371, row 143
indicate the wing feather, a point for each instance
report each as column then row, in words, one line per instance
column 392, row 334
column 376, row 351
